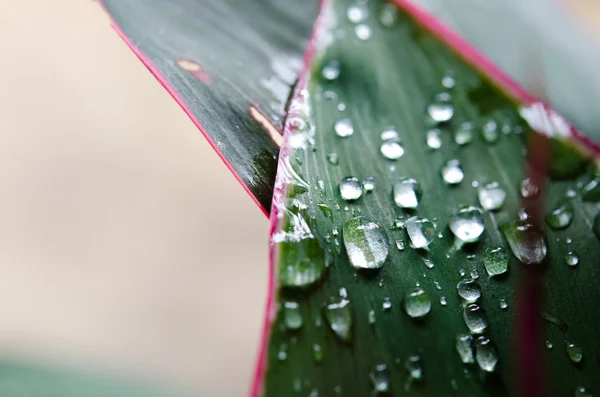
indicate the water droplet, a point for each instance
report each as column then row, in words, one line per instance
column 407, row 193
column 529, row 189
column 414, row 367
column 366, row 243
column 467, row 224
column 463, row 134
column 491, row 196
column 434, row 139
column 443, row 301
column 437, row 286
column 420, row 231
column 485, row 354
column 560, row 217
column 574, row 352
column 362, row 31
column 474, row 274
column 495, row 261
column 549, row 344
column 417, row 303
column 428, row 263
column 448, row 81
column 462, row 272
column 317, row 352
column 490, row 132
column 291, row 315
column 380, row 377
column 572, row 259
column 464, row 347
column 333, row 158
column 339, row 316
column 314, row 393
column 350, row 188
column 452, row 172
column 305, row 264
column 357, row 13
column 391, row 149
column 388, row 15
column 369, row 184
column 469, row 290
column 341, row 106
column 282, row 352
column 503, row 304
column 390, row 134
column 371, row 316
column 442, row 109
column 526, row 242
column 580, row 391
column 475, row 318
column 400, row 244
column 331, row 70
column 387, row 303
column 343, row 128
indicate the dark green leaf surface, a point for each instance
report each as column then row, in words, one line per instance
column 389, row 80
column 247, row 53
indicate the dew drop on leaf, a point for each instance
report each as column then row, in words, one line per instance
column 363, row 32
column 464, row 347
column 333, row 158
column 452, row 172
column 433, row 139
column 282, row 352
column 407, row 193
column 572, row 259
column 485, row 354
column 371, row 316
column 366, row 243
column 317, row 352
column 469, row 290
column 549, row 344
column 400, row 244
column 390, row 134
column 561, row 217
column 380, row 377
column 441, row 109
column 351, row 188
column 387, row 303
column 391, row 149
column 526, row 242
column 388, row 15
column 343, row 128
column 357, row 13
column 463, row 134
column 528, row 188
column 580, row 391
column 489, row 131
column 291, row 315
column 413, row 367
column 467, row 224
column 331, row 70
column 417, row 303
column 339, row 317
column 495, row 261
column 503, row 304
column 491, row 196
column 574, row 352
column 369, row 184
column 448, row 81
column 443, row 301
column 421, row 231
column 475, row 318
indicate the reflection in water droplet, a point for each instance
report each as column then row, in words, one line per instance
column 574, row 352
column 413, row 367
column 491, row 196
column 350, row 188
column 369, row 184
column 388, row 15
column 452, row 172
column 503, row 304
column 333, row 158
column 417, row 303
column 469, row 290
column 291, row 315
column 490, row 132
column 366, row 243
column 343, row 128
column 407, row 193
column 331, row 70
column 391, row 149
column 380, row 377
column 528, row 188
column 495, row 261
column 421, row 231
column 475, row 318
column 485, row 354
column 526, row 242
column 572, row 259
column 434, row 139
column 464, row 347
column 560, row 217
column 339, row 317
column 463, row 134
column 362, row 31
column 467, row 224
column 441, row 109
column 317, row 352
column 357, row 13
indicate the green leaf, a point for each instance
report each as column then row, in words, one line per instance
column 405, row 307
column 230, row 64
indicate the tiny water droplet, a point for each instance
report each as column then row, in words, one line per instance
column 363, row 32
column 463, row 134
column 282, row 352
column 391, row 149
column 475, row 318
column 462, row 272
column 580, row 391
column 417, row 303
column 341, row 106
column 381, row 282
column 387, row 303
column 434, row 139
column 357, row 13
column 314, row 393
column 574, row 352
column 571, row 193
column 441, row 109
column 528, row 188
column 503, row 304
column 291, row 315
column 443, row 301
column 343, row 128
column 369, row 184
column 390, row 133
column 572, row 259
column 428, row 263
column 495, row 261
column 343, row 292
column 452, row 172
column 490, row 132
column 371, row 316
column 420, row 231
column 474, row 274
column 464, row 347
column 388, row 15
column 333, row 158
column 485, row 354
column 549, row 344
column 467, row 223
column 350, row 188
column 448, row 81
column 339, row 316
column 407, row 193
column 331, row 69
column 400, row 244
column 366, row 243
column 560, row 217
column 526, row 242
column 317, row 352
column 380, row 377
column 437, row 286
column 491, row 196
column 413, row 367
column 469, row 290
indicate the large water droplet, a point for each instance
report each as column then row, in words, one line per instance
column 331, row 70
column 434, row 139
column 528, row 188
column 366, row 243
column 417, row 303
column 291, row 315
column 491, row 196
column 475, row 318
column 452, row 172
column 467, row 224
column 572, row 259
column 339, row 316
column 485, row 354
column 343, row 128
column 391, row 149
column 526, row 242
column 363, row 32
column 421, row 231
column 380, row 377
column 442, row 109
column 357, row 13
column 469, row 290
column 574, row 352
column 407, row 193
column 560, row 217
column 495, row 261
column 464, row 347
column 351, row 188
column 490, row 131
column 413, row 367
column 464, row 134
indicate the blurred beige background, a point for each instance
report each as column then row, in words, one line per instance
column 124, row 241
